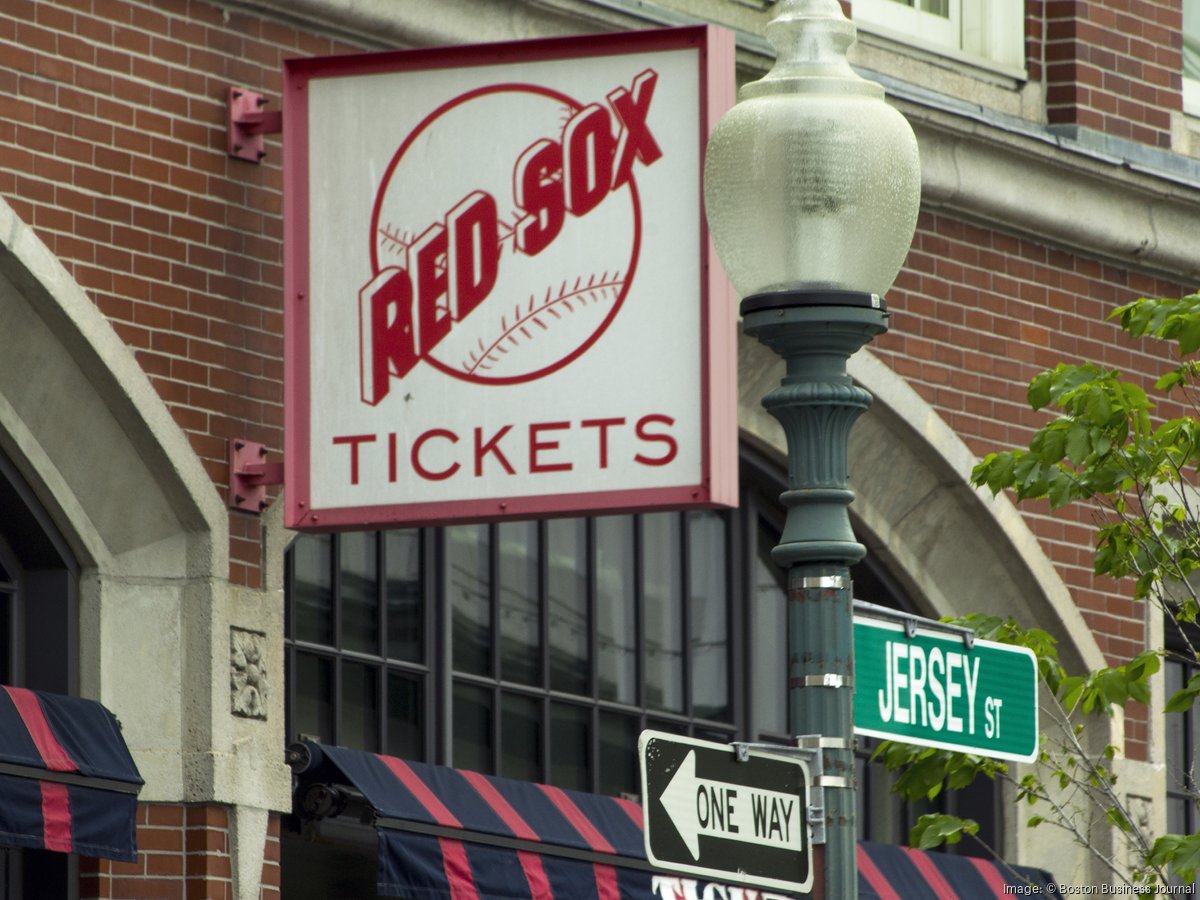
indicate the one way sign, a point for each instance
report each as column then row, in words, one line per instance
column 708, row 814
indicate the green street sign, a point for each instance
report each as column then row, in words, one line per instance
column 932, row 689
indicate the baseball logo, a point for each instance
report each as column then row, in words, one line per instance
column 505, row 234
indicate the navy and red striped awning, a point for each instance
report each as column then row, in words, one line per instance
column 451, row 833
column 67, row 781
column 890, row 872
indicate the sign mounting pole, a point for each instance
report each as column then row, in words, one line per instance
column 817, row 404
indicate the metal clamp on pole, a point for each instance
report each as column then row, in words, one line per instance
column 912, row 623
column 829, row 679
column 822, row 742
column 824, row 582
column 813, row 744
column 808, row 747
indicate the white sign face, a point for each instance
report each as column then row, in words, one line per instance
column 500, row 296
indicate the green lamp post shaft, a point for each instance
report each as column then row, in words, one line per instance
column 812, row 187
column 821, row 702
column 817, row 404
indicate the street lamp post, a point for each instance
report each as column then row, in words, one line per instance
column 812, row 187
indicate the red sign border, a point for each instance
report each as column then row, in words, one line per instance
column 718, row 486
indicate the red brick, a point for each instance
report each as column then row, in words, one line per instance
column 147, row 889
column 162, row 814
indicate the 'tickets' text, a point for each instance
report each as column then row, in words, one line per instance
column 438, row 454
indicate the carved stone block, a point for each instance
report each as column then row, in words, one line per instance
column 247, row 673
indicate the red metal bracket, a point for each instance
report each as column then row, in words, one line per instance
column 249, row 475
column 246, row 124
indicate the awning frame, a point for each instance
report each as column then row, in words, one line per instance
column 70, row 778
column 354, row 791
column 347, row 804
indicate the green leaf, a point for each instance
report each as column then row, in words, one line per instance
column 1183, row 699
column 1039, row 390
column 1049, row 444
column 1117, row 818
column 1078, row 443
column 935, row 830
column 1180, row 852
column 1072, row 691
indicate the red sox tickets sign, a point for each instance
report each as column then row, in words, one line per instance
column 500, row 296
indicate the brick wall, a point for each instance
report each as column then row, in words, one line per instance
column 184, row 853
column 112, row 146
column 1112, row 65
column 272, row 877
column 976, row 314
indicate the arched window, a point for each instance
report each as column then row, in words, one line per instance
column 540, row 650
column 38, row 649
column 550, row 647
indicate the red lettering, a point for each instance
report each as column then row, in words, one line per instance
column 474, row 252
column 636, row 139
column 537, row 188
column 603, row 425
column 387, row 343
column 536, row 445
column 429, row 285
column 672, row 446
column 492, row 446
column 453, row 265
column 354, row 440
column 587, row 159
column 415, row 455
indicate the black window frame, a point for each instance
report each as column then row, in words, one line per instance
column 441, row 681
column 1181, row 729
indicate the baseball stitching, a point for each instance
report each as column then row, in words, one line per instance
column 552, row 307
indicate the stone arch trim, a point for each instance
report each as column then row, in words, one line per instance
column 95, row 443
column 81, row 420
column 917, row 511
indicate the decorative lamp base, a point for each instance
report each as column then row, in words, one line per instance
column 791, row 299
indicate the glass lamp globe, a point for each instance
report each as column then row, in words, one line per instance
column 811, row 181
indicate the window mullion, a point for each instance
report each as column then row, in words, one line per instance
column 593, row 649
column 594, row 749
column 593, row 618
column 442, row 621
column 544, row 703
column 748, row 518
column 639, row 614
column 685, row 604
column 497, row 651
column 737, row 607
column 543, row 589
column 382, row 644
column 335, row 581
